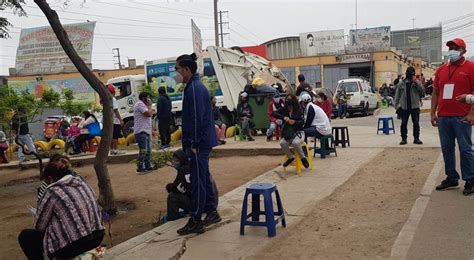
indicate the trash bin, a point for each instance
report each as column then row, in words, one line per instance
column 259, row 104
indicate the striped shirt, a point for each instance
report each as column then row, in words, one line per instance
column 68, row 211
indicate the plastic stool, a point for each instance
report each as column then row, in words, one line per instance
column 277, row 133
column 340, row 133
column 297, row 162
column 266, row 190
column 385, row 125
column 322, row 150
column 241, row 136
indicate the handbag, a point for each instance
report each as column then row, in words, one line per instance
column 94, row 129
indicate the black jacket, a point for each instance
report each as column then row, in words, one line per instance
column 182, row 183
column 163, row 109
column 20, row 124
column 289, row 131
column 240, row 109
column 217, row 116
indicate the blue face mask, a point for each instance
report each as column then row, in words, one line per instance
column 454, row 55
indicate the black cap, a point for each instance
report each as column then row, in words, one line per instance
column 411, row 70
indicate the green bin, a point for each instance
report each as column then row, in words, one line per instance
column 259, row 104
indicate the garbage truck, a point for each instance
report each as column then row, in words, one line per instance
column 225, row 74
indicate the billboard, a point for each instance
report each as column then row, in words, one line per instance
column 39, row 51
column 322, row 42
column 370, row 39
column 161, row 75
column 420, row 42
column 83, row 92
column 197, row 46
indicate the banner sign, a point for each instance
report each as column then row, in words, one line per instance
column 197, row 46
column 322, row 42
column 353, row 58
column 370, row 39
column 39, row 51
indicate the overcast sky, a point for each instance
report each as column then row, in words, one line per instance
column 146, row 30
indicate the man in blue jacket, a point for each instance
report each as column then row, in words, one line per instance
column 198, row 139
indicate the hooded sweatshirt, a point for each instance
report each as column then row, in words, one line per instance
column 67, row 212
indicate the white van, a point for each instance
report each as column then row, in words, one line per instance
column 361, row 97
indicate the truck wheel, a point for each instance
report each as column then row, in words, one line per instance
column 128, row 127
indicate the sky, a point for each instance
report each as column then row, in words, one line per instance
column 147, row 30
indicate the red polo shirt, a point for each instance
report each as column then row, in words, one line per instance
column 461, row 74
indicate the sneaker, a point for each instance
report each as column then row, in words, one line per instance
column 305, row 162
column 288, row 162
column 250, row 138
column 211, row 218
column 446, row 184
column 403, row 142
column 417, row 141
column 142, row 171
column 192, row 227
column 113, row 152
column 222, row 142
column 468, row 190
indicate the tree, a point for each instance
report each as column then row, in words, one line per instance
column 106, row 195
column 17, row 8
column 71, row 108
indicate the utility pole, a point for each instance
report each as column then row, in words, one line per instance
column 216, row 25
column 222, row 23
column 117, row 56
column 413, row 22
column 356, row 13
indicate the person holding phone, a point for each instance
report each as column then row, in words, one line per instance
column 142, row 128
column 454, row 79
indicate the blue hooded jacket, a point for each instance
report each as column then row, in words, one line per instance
column 198, row 120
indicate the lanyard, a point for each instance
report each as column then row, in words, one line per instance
column 451, row 74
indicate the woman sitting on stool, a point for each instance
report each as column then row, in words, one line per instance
column 79, row 141
column 293, row 121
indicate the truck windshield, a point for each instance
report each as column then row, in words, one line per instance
column 349, row 87
column 123, row 89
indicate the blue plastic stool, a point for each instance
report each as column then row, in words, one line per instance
column 385, row 125
column 270, row 222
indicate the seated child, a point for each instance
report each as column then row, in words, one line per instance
column 179, row 192
column 3, row 147
column 72, row 132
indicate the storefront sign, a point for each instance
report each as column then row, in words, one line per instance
column 353, row 58
column 39, row 51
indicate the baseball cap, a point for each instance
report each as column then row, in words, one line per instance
column 458, row 42
column 243, row 94
column 111, row 88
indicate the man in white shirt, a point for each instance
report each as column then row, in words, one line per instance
column 316, row 121
column 118, row 123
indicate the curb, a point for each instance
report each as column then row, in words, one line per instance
column 402, row 244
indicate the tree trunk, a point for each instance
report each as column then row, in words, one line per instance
column 106, row 195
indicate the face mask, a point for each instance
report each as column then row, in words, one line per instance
column 276, row 100
column 454, row 55
column 178, row 77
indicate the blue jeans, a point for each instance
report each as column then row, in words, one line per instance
column 451, row 128
column 28, row 141
column 341, row 110
column 144, row 150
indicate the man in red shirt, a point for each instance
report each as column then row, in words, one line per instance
column 451, row 80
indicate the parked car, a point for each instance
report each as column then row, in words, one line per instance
column 361, row 96
column 55, row 127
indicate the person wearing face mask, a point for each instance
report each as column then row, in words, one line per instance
column 408, row 102
column 325, row 104
column 179, row 191
column 245, row 115
column 292, row 131
column 316, row 121
column 454, row 79
column 68, row 221
column 198, row 139
column 274, row 105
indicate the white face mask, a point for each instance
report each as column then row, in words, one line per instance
column 178, row 77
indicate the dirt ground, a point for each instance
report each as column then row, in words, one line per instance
column 363, row 217
column 141, row 198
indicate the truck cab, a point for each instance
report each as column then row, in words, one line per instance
column 127, row 89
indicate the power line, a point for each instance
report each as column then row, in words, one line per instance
column 243, row 27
